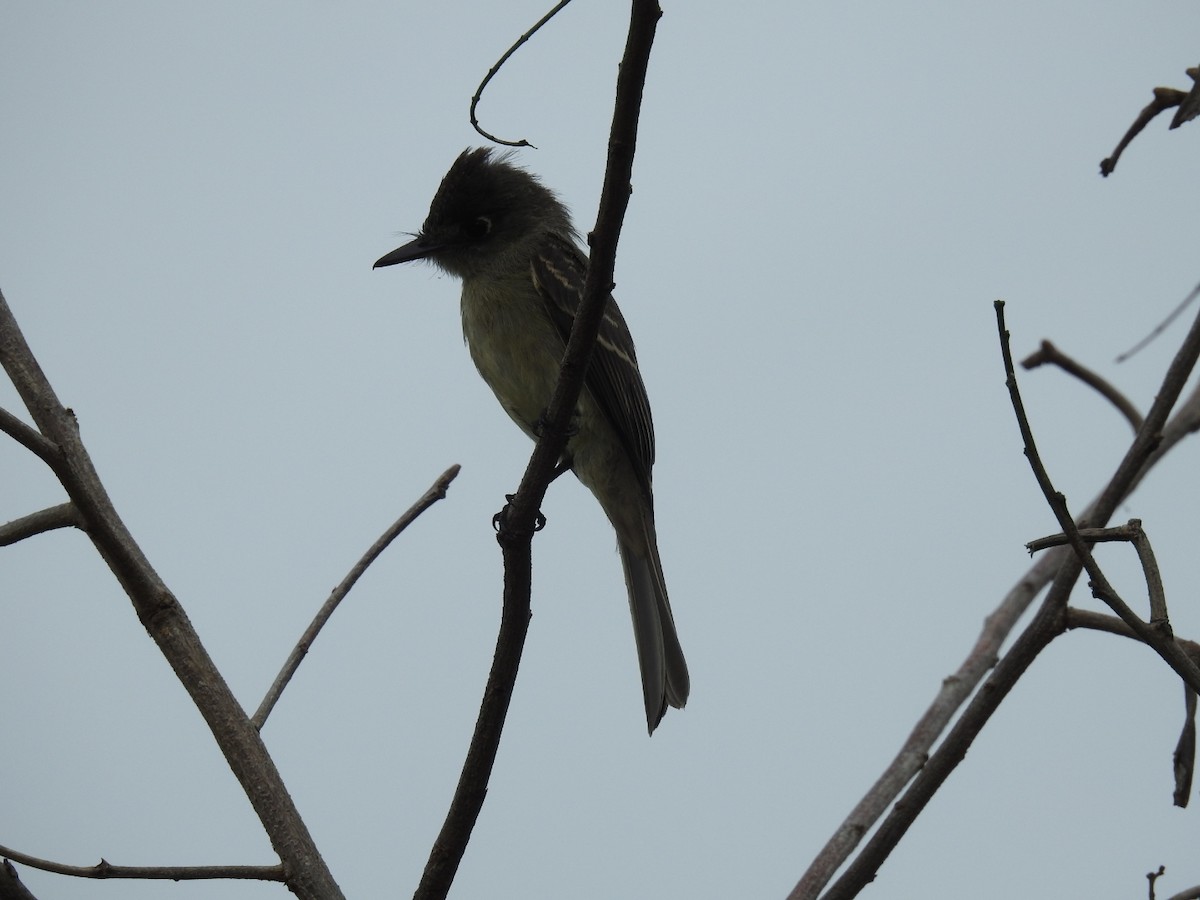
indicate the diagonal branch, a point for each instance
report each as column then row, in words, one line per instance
column 167, row 623
column 1164, row 99
column 435, row 493
column 29, row 438
column 1047, row 624
column 914, row 753
column 1060, row 568
column 1049, row 354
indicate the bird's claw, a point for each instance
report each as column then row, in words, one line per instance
column 501, row 518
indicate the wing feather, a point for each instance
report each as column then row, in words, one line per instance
column 613, row 379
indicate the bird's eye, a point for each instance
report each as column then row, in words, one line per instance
column 479, row 227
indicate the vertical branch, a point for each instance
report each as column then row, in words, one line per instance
column 517, row 535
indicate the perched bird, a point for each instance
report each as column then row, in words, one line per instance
column 511, row 242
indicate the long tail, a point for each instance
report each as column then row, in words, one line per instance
column 664, row 672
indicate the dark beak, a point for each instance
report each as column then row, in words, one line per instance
column 419, row 248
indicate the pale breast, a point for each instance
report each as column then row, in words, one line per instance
column 513, row 344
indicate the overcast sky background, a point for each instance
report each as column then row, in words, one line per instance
column 828, row 198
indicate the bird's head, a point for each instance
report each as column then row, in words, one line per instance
column 487, row 217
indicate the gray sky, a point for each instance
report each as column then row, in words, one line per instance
column 828, row 198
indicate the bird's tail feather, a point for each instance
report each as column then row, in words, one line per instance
column 665, row 679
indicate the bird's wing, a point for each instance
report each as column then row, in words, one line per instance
column 559, row 270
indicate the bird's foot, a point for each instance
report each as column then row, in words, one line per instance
column 500, row 519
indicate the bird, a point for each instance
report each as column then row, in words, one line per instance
column 510, row 240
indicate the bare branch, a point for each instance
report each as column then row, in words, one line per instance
column 104, row 869
column 1184, row 758
column 1190, row 107
column 65, row 515
column 955, row 691
column 1133, row 533
column 1049, row 621
column 1153, row 877
column 436, row 492
column 1127, row 532
column 1096, row 621
column 1047, row 624
column 1164, row 99
column 1050, row 354
column 1161, row 326
column 164, row 619
column 516, row 535
column 496, row 68
column 28, row 438
column 1158, row 632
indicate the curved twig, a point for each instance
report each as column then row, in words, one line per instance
column 436, row 492
column 496, row 68
column 1050, row 354
column 1164, row 99
column 65, row 515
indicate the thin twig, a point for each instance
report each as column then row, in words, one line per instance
column 104, row 869
column 1164, row 99
column 1132, row 533
column 436, row 492
column 1184, row 758
column 1127, row 532
column 1161, row 326
column 519, row 524
column 1154, row 876
column 1048, row 354
column 28, row 437
column 1156, row 633
column 1098, row 621
column 496, row 68
column 65, row 515
column 1154, row 585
